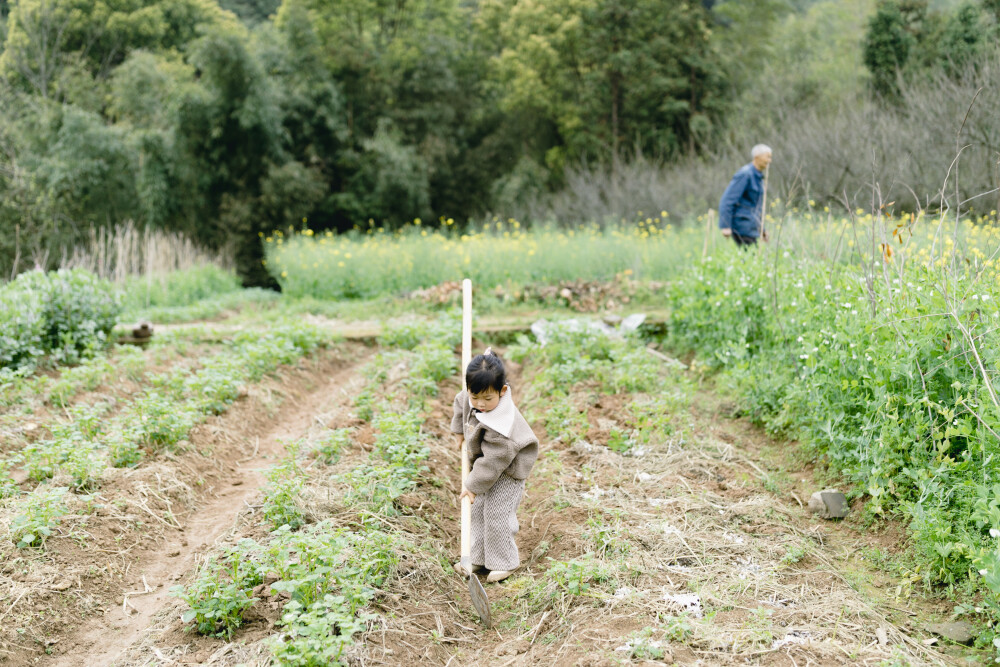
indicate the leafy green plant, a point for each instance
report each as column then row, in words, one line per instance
column 124, row 452
column 608, row 539
column 83, row 466
column 78, row 310
column 576, row 576
column 677, row 628
column 222, row 591
column 793, row 554
column 42, row 513
column 564, row 422
column 216, row 385
column 22, row 327
column 330, row 445
column 620, row 441
column 8, row 488
column 160, row 421
column 179, row 288
column 281, row 495
column 445, row 332
column 317, row 635
column 644, row 647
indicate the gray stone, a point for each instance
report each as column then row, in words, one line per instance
column 829, row 504
column 960, row 632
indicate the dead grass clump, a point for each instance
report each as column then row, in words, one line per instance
column 128, row 250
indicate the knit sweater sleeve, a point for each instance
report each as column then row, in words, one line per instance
column 498, row 453
column 456, row 416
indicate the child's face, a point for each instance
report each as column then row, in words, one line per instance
column 487, row 400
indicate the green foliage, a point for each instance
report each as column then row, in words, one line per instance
column 281, row 495
column 563, row 421
column 905, row 40
column 871, row 379
column 604, row 74
column 399, row 445
column 207, row 308
column 445, row 331
column 21, row 328
column 317, row 634
column 887, row 47
column 124, row 452
column 159, row 421
column 644, row 647
column 65, row 313
column 43, row 511
column 331, row 575
column 222, row 590
column 609, row 539
column 329, row 446
column 179, row 288
column 578, row 575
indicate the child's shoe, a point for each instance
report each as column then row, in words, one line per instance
column 462, row 571
column 498, row 575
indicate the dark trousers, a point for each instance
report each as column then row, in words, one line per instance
column 744, row 240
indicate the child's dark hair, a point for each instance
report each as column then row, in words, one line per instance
column 485, row 371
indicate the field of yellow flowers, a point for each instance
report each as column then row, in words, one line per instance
column 499, row 252
column 366, row 264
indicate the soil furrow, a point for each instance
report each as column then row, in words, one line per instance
column 100, row 640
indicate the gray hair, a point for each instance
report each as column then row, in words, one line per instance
column 759, row 149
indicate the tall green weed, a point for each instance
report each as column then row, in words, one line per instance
column 864, row 365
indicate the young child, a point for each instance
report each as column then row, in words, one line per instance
column 502, row 450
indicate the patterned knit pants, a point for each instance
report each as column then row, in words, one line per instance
column 494, row 524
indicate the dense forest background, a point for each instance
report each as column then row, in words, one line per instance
column 227, row 121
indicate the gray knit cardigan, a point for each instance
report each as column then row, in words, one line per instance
column 511, row 450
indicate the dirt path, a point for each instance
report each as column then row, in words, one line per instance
column 101, row 640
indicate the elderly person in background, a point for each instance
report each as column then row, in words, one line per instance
column 740, row 207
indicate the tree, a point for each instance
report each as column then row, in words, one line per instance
column 607, row 73
column 964, row 35
column 43, row 35
column 228, row 137
column 887, row 47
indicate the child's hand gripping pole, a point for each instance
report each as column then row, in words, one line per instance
column 479, row 599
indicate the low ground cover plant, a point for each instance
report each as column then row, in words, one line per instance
column 576, row 362
column 83, row 445
column 42, row 513
column 330, row 572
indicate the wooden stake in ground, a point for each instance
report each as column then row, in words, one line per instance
column 709, row 223
column 763, row 207
column 476, row 590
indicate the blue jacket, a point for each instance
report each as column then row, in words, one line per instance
column 739, row 208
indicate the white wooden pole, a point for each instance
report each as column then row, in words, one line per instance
column 466, row 358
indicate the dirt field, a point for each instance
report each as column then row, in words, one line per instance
column 690, row 547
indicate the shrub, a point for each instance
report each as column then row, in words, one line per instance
column 21, row 328
column 78, row 310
